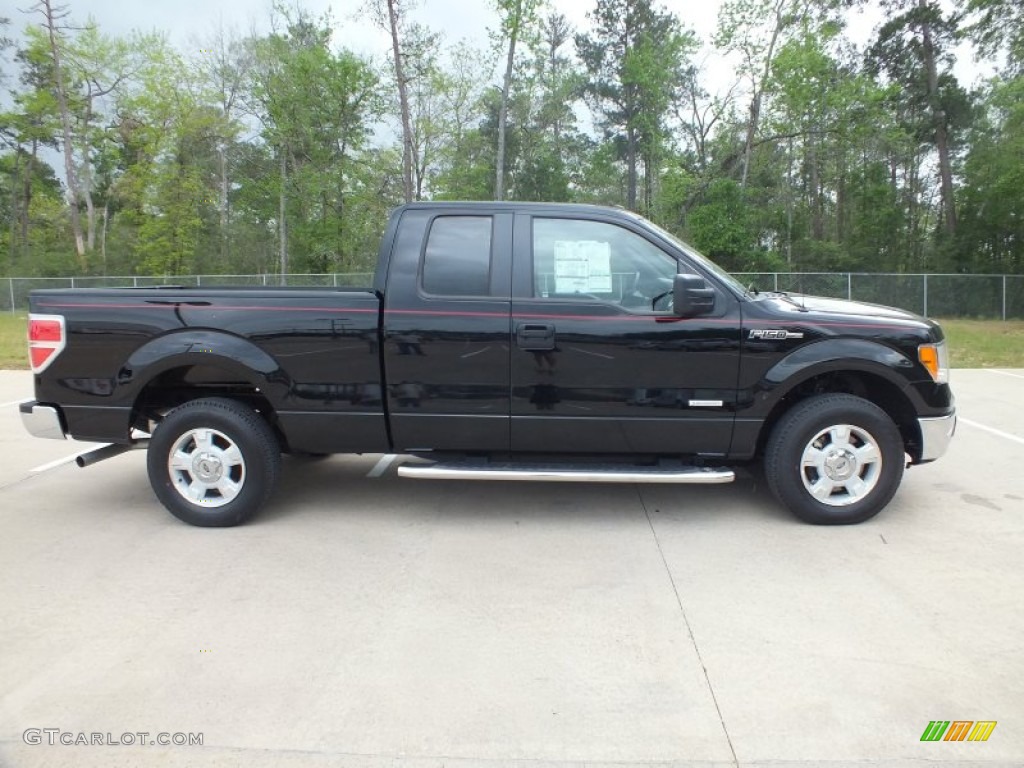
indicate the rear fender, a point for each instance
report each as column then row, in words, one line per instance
column 236, row 356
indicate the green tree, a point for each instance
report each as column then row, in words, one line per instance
column 50, row 34
column 635, row 58
column 998, row 25
column 913, row 50
column 991, row 236
column 545, row 154
column 518, row 19
column 465, row 166
column 22, row 242
column 167, row 162
column 224, row 64
column 392, row 16
column 316, row 108
column 29, row 127
column 722, row 227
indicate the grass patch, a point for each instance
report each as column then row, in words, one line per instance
column 985, row 343
column 972, row 343
column 13, row 346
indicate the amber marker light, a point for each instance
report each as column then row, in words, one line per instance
column 935, row 358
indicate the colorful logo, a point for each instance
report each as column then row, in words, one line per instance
column 958, row 730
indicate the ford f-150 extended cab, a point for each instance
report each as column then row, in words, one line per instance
column 510, row 341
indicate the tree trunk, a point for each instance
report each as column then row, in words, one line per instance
column 282, row 227
column 941, row 128
column 913, row 191
column 403, row 98
column 631, row 173
column 499, row 181
column 422, row 163
column 26, row 218
column 841, row 213
column 748, row 149
column 755, row 104
column 103, row 234
column 90, row 208
column 65, row 121
column 554, row 45
column 817, row 219
column 16, row 215
column 789, row 206
column 223, row 207
column 648, row 184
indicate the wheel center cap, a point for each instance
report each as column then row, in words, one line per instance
column 207, row 467
column 840, row 466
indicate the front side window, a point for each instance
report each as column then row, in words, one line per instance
column 580, row 259
column 457, row 259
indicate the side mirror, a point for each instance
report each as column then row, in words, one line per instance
column 691, row 296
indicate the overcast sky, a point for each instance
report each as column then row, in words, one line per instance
column 188, row 22
column 183, row 19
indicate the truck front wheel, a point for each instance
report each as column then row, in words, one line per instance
column 834, row 459
column 213, row 462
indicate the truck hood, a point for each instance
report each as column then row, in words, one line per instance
column 811, row 308
column 824, row 305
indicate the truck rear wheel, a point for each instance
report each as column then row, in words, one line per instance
column 834, row 459
column 213, row 462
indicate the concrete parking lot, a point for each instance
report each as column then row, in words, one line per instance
column 380, row 621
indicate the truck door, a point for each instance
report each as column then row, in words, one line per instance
column 446, row 330
column 599, row 362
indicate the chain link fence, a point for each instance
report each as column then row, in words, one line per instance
column 979, row 296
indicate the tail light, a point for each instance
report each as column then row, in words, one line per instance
column 46, row 339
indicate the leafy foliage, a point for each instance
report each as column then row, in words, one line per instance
column 280, row 151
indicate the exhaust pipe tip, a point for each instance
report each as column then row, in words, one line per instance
column 107, row 452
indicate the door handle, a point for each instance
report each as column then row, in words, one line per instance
column 535, row 336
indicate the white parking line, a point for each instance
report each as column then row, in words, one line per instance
column 1005, row 373
column 992, row 430
column 65, row 460
column 382, row 465
column 15, row 402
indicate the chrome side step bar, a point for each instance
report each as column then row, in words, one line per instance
column 567, row 473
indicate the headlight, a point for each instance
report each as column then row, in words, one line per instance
column 935, row 357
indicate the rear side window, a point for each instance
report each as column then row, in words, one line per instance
column 457, row 260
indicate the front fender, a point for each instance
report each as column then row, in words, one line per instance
column 186, row 347
column 758, row 400
column 829, row 355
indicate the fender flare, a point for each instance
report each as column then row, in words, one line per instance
column 188, row 347
column 836, row 355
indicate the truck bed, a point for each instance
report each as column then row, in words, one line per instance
column 311, row 354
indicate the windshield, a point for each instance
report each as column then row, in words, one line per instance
column 696, row 256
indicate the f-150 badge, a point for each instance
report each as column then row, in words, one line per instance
column 773, row 335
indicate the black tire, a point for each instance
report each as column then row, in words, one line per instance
column 227, row 440
column 851, row 484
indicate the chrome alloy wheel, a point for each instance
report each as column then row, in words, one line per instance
column 841, row 465
column 206, row 467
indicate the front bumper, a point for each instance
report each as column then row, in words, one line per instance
column 42, row 420
column 936, row 435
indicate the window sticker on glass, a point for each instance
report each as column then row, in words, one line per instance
column 582, row 266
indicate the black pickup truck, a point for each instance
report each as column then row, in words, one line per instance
column 507, row 341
